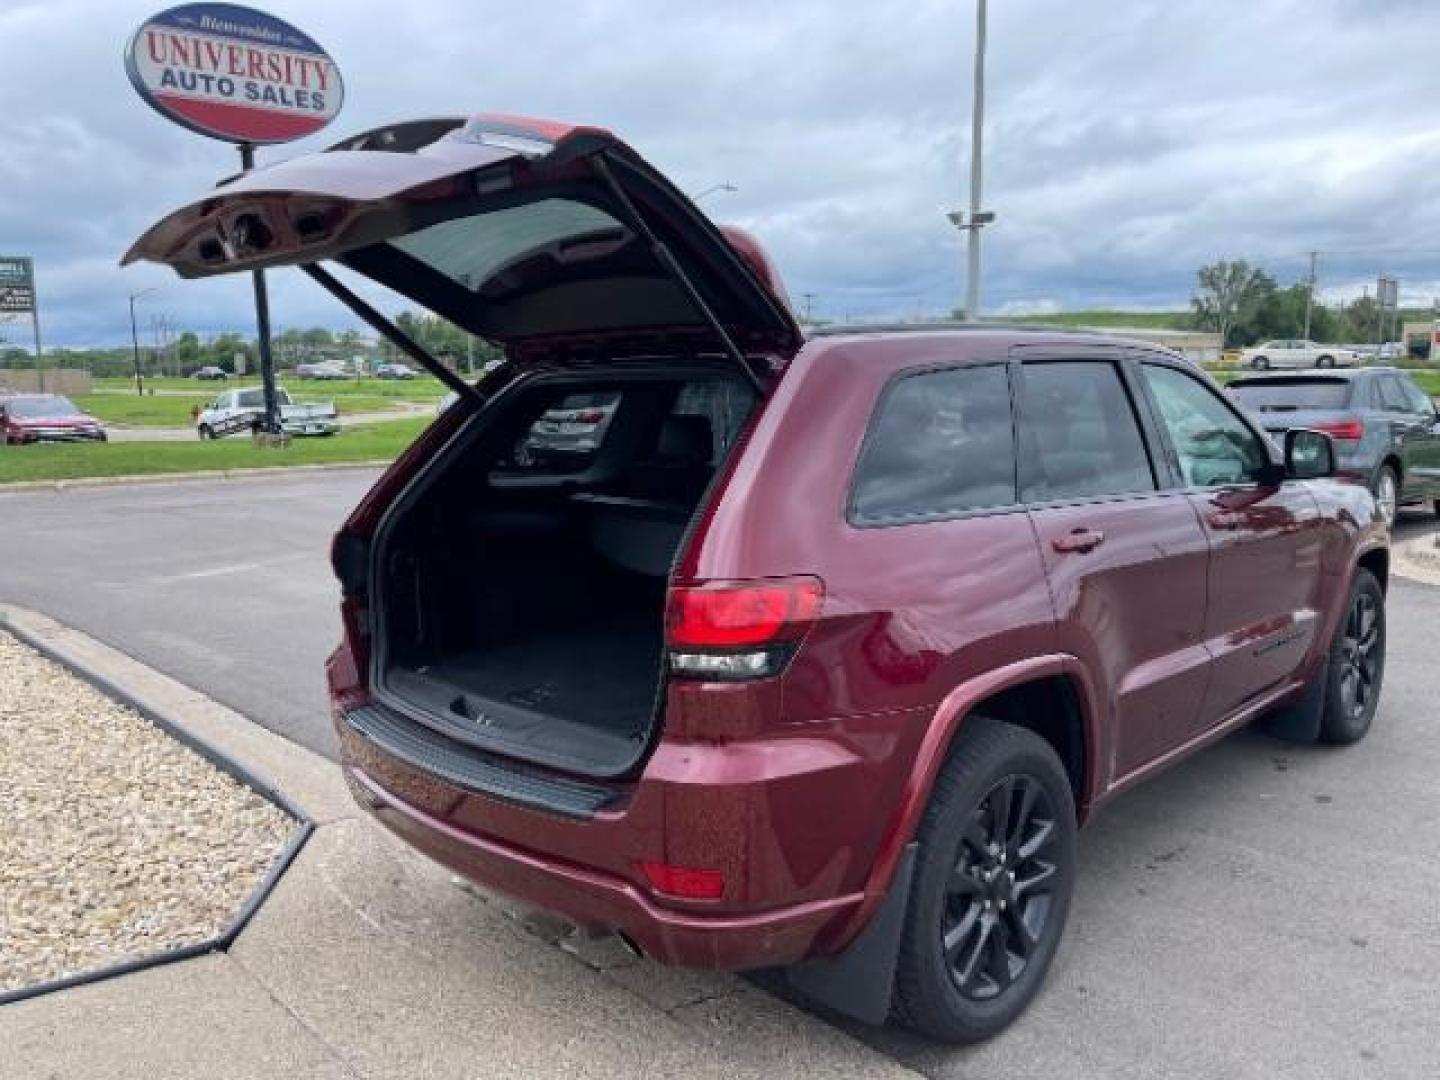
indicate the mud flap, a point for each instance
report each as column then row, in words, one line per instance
column 858, row 982
column 1300, row 722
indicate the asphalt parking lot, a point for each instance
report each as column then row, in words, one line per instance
column 1262, row 910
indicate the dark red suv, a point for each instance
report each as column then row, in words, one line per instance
column 815, row 652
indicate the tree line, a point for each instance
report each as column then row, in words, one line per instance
column 1244, row 304
column 186, row 353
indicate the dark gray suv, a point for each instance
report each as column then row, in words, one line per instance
column 1386, row 429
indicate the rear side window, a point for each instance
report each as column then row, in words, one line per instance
column 690, row 425
column 1079, row 434
column 1290, row 395
column 940, row 443
column 567, row 434
column 1419, row 401
column 1392, row 397
column 251, row 399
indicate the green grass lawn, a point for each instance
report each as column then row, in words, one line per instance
column 69, row 461
column 1148, row 320
column 175, row 411
column 424, row 388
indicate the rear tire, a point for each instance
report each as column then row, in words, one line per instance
column 1261, row 363
column 1356, row 668
column 992, row 887
column 1325, row 362
column 205, row 432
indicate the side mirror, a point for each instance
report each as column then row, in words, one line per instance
column 1309, row 455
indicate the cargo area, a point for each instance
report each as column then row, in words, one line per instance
column 522, row 581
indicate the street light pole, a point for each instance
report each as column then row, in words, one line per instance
column 722, row 186
column 135, row 339
column 977, row 129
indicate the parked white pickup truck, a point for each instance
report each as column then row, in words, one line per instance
column 243, row 410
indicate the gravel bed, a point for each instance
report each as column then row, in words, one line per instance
column 116, row 841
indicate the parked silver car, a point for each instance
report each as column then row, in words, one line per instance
column 1297, row 353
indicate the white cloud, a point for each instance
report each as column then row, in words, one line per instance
column 1126, row 144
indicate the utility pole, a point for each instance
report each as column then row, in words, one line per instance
column 135, row 339
column 1310, row 292
column 809, row 299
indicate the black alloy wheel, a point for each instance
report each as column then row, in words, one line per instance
column 1356, row 665
column 1362, row 652
column 994, row 874
column 1001, row 891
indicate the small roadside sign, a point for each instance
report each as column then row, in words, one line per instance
column 17, row 285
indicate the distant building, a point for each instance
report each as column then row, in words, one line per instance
column 1417, row 338
column 1199, row 346
column 70, row 381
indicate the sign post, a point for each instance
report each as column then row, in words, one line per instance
column 1387, row 294
column 17, row 297
column 242, row 76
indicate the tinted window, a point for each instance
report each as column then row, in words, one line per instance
column 1392, row 397
column 1419, row 401
column 939, row 443
column 566, row 435
column 1079, row 434
column 250, row 399
column 699, row 423
column 471, row 250
column 1290, row 395
column 1213, row 444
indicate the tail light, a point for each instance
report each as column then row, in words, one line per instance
column 1350, row 429
column 739, row 629
column 589, row 416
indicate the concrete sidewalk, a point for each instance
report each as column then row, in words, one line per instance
column 370, row 961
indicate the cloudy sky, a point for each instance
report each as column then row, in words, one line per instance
column 1127, row 142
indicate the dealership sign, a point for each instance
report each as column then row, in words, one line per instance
column 234, row 73
column 17, row 285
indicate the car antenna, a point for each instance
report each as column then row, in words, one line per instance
column 672, row 266
column 392, row 333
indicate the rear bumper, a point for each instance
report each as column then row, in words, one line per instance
column 599, row 900
column 310, row 427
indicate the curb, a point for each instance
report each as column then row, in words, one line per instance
column 180, row 477
column 305, row 826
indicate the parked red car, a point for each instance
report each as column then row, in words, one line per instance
column 818, row 657
column 30, row 418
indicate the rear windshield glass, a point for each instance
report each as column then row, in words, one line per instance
column 471, row 250
column 33, row 408
column 1291, row 395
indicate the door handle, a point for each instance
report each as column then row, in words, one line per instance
column 1078, row 540
column 1225, row 519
